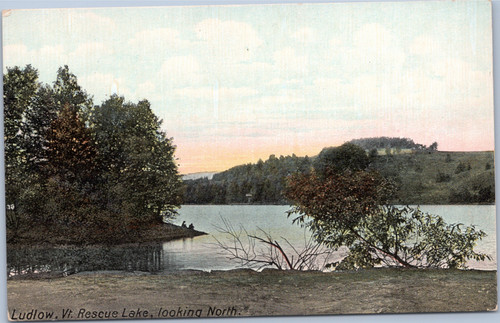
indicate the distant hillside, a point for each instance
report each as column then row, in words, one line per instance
column 440, row 177
column 423, row 177
column 261, row 183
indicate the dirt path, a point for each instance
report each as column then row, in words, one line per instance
column 247, row 293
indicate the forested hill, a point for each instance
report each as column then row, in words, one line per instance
column 423, row 176
column 264, row 181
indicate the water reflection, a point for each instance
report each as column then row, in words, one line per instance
column 199, row 253
column 70, row 260
column 154, row 258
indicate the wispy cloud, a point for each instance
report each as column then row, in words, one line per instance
column 232, row 84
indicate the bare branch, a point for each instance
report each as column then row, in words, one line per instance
column 243, row 247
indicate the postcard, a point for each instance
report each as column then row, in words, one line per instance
column 217, row 161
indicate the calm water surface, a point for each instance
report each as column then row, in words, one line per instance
column 202, row 253
column 273, row 220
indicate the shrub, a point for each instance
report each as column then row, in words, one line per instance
column 350, row 209
column 442, row 177
column 460, row 168
column 407, row 237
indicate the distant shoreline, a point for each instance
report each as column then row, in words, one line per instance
column 278, row 204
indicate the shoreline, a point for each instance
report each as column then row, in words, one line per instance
column 285, row 204
column 187, row 272
column 158, row 233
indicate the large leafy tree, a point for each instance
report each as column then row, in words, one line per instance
column 68, row 91
column 341, row 198
column 136, row 159
column 348, row 208
column 71, row 153
column 20, row 89
column 37, row 121
column 151, row 168
column 62, row 194
column 336, row 159
column 83, row 171
column 44, row 107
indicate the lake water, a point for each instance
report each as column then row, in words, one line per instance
column 202, row 253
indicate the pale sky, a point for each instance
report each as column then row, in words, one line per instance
column 237, row 83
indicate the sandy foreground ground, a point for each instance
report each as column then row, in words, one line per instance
column 236, row 293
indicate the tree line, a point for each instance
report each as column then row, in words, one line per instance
column 391, row 142
column 260, row 183
column 85, row 171
column 264, row 182
column 424, row 176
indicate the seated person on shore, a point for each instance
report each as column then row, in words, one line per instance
column 191, row 226
column 183, row 224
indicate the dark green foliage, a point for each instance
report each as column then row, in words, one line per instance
column 476, row 194
column 421, row 178
column 265, row 181
column 460, row 168
column 37, row 121
column 442, row 177
column 338, row 159
column 387, row 142
column 461, row 195
column 67, row 91
column 71, row 152
column 20, row 90
column 485, row 194
column 433, row 146
column 204, row 191
column 95, row 173
column 137, row 159
column 407, row 237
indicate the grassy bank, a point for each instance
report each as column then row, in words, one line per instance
column 248, row 293
column 441, row 177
